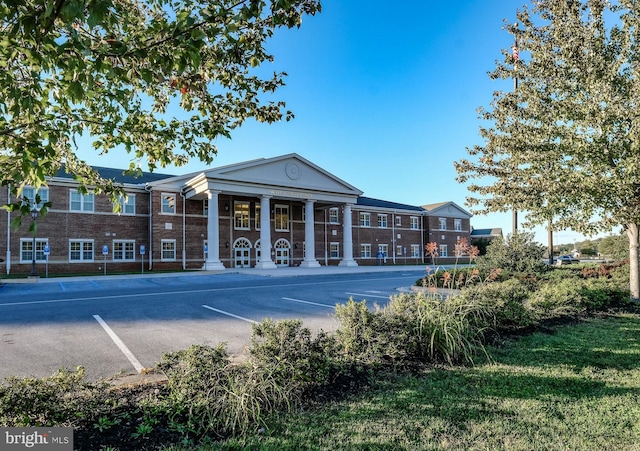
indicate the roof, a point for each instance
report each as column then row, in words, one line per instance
column 377, row 203
column 496, row 231
column 119, row 175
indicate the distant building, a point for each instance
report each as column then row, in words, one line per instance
column 264, row 213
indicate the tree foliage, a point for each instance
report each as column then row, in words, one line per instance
column 519, row 253
column 161, row 79
column 564, row 147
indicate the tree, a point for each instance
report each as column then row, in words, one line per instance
column 519, row 253
column 565, row 145
column 614, row 246
column 112, row 70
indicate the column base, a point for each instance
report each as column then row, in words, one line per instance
column 213, row 266
column 348, row 263
column 310, row 264
column 268, row 264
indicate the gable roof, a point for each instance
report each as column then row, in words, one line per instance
column 450, row 209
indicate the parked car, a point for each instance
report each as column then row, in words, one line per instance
column 566, row 260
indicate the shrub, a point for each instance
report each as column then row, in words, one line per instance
column 208, row 394
column 372, row 337
column 291, row 353
column 441, row 331
column 63, row 399
column 503, row 302
column 518, row 254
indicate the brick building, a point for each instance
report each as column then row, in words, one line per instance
column 215, row 219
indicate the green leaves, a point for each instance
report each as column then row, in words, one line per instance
column 110, row 70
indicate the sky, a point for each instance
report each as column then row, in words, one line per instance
column 385, row 97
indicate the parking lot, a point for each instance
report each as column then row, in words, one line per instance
column 121, row 325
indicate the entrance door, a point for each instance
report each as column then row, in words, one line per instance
column 282, row 249
column 242, row 259
column 241, row 252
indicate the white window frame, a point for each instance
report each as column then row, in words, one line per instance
column 281, row 212
column 241, row 215
column 168, row 258
column 334, row 250
column 457, row 225
column 31, row 193
column 444, row 250
column 382, row 221
column 82, row 251
column 365, row 219
column 257, row 212
column 415, row 251
column 87, row 201
column 127, row 204
column 365, row 250
column 126, row 243
column 399, row 250
column 415, row 223
column 398, row 221
column 167, row 204
column 333, row 216
column 28, row 242
column 384, row 248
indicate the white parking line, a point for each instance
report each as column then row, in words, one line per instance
column 368, row 295
column 230, row 314
column 308, row 302
column 128, row 354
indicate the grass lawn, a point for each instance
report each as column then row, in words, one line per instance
column 576, row 387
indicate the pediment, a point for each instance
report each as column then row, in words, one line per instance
column 448, row 209
column 285, row 172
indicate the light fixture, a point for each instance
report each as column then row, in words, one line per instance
column 227, row 244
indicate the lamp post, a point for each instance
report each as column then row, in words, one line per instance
column 34, row 216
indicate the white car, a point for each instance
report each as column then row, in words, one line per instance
column 566, row 260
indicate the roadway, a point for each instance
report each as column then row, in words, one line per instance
column 120, row 325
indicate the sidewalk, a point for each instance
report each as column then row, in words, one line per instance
column 278, row 272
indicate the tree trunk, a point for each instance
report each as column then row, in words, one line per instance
column 634, row 268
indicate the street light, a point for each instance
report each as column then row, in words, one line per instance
column 34, row 216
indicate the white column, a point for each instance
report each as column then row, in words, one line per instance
column 309, row 237
column 213, row 233
column 265, row 235
column 347, row 259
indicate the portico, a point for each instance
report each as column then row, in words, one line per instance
column 282, row 201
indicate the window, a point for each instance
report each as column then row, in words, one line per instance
column 382, row 221
column 80, row 250
column 241, row 215
column 334, row 250
column 128, row 204
column 81, row 202
column 365, row 251
column 399, row 250
column 124, row 250
column 282, row 218
column 365, row 219
column 415, row 250
column 257, row 214
column 26, row 250
column 168, row 204
column 333, row 216
column 443, row 250
column 398, row 221
column 168, row 250
column 443, row 223
column 415, row 223
column 36, row 197
column 205, row 207
column 457, row 225
column 384, row 250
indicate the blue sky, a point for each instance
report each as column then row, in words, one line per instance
column 385, row 97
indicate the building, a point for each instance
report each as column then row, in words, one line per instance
column 251, row 214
